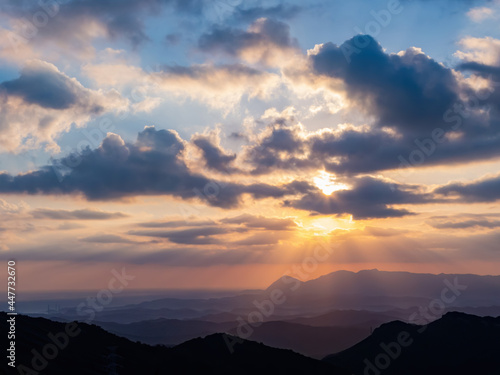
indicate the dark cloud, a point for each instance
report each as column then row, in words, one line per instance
column 201, row 71
column 260, row 239
column 173, row 38
column 265, row 36
column 463, row 134
column 86, row 214
column 107, row 239
column 120, row 19
column 485, row 190
column 210, row 235
column 353, row 151
column 238, row 136
column 407, row 91
column 280, row 11
column 465, row 224
column 481, row 69
column 152, row 165
column 415, row 96
column 42, row 84
column 176, row 223
column 215, row 158
column 280, row 147
column 368, row 198
column 261, row 222
column 70, row 226
column 193, row 236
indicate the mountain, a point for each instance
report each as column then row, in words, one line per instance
column 84, row 349
column 165, row 331
column 364, row 290
column 474, row 290
column 348, row 318
column 315, row 342
column 250, row 357
column 370, row 290
column 457, row 343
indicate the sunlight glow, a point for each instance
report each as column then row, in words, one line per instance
column 326, row 182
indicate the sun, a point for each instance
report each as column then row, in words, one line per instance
column 327, row 183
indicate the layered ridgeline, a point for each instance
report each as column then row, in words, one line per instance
column 370, row 290
column 315, row 318
column 457, row 344
column 47, row 347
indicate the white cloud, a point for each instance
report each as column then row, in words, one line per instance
column 482, row 50
column 479, row 14
column 43, row 103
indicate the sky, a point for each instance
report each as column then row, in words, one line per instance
column 220, row 144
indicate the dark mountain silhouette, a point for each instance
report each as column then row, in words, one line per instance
column 250, row 357
column 94, row 351
column 457, row 343
column 315, row 342
column 348, row 318
column 168, row 332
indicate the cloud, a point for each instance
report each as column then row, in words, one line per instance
column 465, row 224
column 483, row 190
column 355, row 150
column 70, row 226
column 214, row 156
column 350, row 150
column 480, row 14
column 383, row 232
column 368, row 198
column 43, row 84
column 407, row 91
column 280, row 11
column 192, row 236
column 153, row 165
column 108, row 239
column 480, row 50
column 221, row 86
column 260, row 239
column 261, row 222
column 266, row 41
column 85, row 214
column 9, row 208
column 415, row 106
column 73, row 25
column 44, row 102
column 188, row 222
column 279, row 146
column 265, row 232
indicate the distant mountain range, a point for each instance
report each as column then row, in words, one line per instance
column 315, row 342
column 314, row 318
column 95, row 351
column 457, row 343
column 370, row 290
